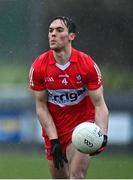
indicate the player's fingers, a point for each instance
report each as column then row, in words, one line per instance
column 61, row 163
column 65, row 158
column 99, row 151
column 56, row 163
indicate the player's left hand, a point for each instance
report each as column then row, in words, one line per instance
column 103, row 147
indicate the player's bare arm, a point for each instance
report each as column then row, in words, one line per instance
column 101, row 110
column 43, row 114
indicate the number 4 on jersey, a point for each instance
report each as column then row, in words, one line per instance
column 64, row 81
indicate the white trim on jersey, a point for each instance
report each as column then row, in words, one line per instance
column 63, row 67
column 98, row 73
column 31, row 76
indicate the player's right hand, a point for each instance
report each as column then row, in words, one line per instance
column 103, row 147
column 56, row 152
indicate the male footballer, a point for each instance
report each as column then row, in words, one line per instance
column 67, row 87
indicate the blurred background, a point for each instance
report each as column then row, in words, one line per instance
column 105, row 33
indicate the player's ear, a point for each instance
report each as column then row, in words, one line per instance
column 72, row 36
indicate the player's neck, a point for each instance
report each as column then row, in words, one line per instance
column 63, row 56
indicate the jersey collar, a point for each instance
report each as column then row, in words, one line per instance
column 73, row 57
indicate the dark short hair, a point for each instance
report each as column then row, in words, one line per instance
column 70, row 24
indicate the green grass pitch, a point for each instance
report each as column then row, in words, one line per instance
column 34, row 166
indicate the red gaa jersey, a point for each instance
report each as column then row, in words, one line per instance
column 67, row 88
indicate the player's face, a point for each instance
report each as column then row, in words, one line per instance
column 58, row 36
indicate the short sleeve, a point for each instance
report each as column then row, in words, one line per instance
column 94, row 76
column 36, row 80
